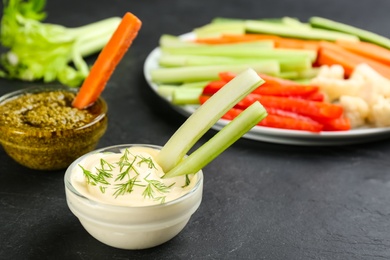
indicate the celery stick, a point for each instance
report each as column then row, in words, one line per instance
column 247, row 52
column 218, row 49
column 196, row 84
column 203, row 73
column 294, row 23
column 186, row 93
column 286, row 64
column 341, row 27
column 205, row 117
column 304, row 33
column 186, row 96
column 166, row 90
column 216, row 29
column 220, row 141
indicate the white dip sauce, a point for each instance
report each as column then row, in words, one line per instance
column 129, row 178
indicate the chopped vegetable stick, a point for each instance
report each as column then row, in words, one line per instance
column 308, row 108
column 281, row 121
column 186, row 96
column 202, row 73
column 367, row 49
column 300, row 33
column 220, row 141
column 234, row 38
column 330, row 57
column 341, row 123
column 301, row 91
column 341, row 27
column 331, row 53
column 205, row 117
column 107, row 61
column 284, row 122
column 226, row 75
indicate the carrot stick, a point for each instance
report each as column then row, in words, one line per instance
column 107, row 61
column 331, row 53
column 292, row 43
column 367, row 49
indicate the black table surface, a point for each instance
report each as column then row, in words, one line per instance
column 261, row 200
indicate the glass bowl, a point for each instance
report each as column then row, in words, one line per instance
column 131, row 227
column 38, row 138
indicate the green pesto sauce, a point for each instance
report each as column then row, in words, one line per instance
column 47, row 110
column 43, row 131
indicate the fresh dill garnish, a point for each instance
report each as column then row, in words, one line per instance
column 126, row 187
column 148, row 160
column 126, row 172
column 94, row 179
column 104, row 163
column 154, row 186
column 124, row 160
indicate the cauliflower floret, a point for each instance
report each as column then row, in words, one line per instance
column 380, row 112
column 331, row 72
column 330, row 80
column 375, row 82
column 355, row 109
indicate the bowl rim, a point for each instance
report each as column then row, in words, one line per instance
column 73, row 190
column 50, row 87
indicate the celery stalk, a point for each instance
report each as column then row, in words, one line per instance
column 186, row 96
column 304, row 33
column 245, row 52
column 216, row 29
column 220, row 141
column 286, row 64
column 205, row 117
column 361, row 33
column 203, row 73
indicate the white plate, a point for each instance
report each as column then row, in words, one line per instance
column 274, row 135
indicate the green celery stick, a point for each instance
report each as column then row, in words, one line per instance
column 286, row 64
column 246, row 52
column 303, row 33
column 196, row 84
column 216, row 29
column 205, row 117
column 186, row 96
column 220, row 141
column 341, row 27
column 203, row 73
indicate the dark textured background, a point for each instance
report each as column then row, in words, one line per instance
column 261, row 200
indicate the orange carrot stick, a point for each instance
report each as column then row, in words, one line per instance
column 331, row 53
column 107, row 61
column 367, row 49
column 235, row 38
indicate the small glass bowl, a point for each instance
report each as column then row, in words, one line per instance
column 45, row 149
column 128, row 227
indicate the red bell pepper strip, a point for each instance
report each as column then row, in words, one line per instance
column 282, row 122
column 313, row 109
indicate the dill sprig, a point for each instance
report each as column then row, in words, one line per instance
column 148, row 160
column 154, row 186
column 126, row 187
